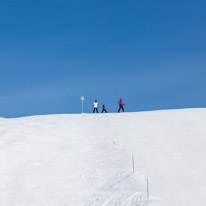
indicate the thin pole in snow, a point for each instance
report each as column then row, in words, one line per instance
column 147, row 189
column 82, row 98
column 133, row 161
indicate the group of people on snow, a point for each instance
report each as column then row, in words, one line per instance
column 96, row 104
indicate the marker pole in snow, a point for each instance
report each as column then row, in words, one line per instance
column 82, row 98
column 133, row 161
column 147, row 189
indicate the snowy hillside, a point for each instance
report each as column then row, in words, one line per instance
column 86, row 159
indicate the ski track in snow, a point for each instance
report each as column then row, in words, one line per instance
column 121, row 188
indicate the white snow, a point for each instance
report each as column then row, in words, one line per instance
column 86, row 159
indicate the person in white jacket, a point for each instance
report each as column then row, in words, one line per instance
column 95, row 105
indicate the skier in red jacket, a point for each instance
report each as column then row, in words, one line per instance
column 121, row 105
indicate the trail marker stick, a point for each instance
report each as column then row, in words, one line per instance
column 147, row 189
column 82, row 98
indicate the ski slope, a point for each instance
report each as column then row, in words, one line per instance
column 86, row 159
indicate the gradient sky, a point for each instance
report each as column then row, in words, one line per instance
column 150, row 53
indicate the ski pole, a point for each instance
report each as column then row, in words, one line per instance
column 126, row 108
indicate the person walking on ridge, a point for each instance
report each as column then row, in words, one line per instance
column 121, row 105
column 104, row 108
column 95, row 105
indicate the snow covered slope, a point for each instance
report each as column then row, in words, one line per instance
column 86, row 159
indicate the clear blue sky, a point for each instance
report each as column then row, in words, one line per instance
column 150, row 53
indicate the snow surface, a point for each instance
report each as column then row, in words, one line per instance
column 86, row 159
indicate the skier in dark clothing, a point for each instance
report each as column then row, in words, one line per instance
column 121, row 105
column 104, row 108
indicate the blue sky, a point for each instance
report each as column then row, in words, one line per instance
column 150, row 53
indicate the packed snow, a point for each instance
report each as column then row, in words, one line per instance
column 86, row 159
